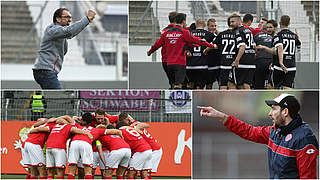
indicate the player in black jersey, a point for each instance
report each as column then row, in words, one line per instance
column 285, row 43
column 197, row 63
column 213, row 58
column 263, row 58
column 241, row 75
column 226, row 41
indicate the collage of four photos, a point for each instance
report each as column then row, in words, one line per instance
column 113, row 89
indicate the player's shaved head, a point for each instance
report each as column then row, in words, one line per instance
column 200, row 23
column 285, row 20
column 172, row 16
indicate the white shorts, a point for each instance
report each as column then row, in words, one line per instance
column 97, row 160
column 117, row 158
column 33, row 155
column 141, row 161
column 56, row 158
column 156, row 157
column 80, row 149
column 23, row 160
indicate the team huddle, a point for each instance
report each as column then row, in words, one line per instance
column 114, row 142
column 240, row 57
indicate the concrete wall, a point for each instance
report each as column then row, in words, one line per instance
column 148, row 75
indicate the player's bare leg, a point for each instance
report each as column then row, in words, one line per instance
column 42, row 171
column 246, row 86
column 287, row 88
column 87, row 172
column 108, row 173
column 190, row 85
column 144, row 174
column 72, row 171
column 131, row 174
column 177, row 86
column 60, row 173
column 50, row 173
column 223, row 87
column 270, row 86
column 34, row 171
column 231, row 85
column 120, row 171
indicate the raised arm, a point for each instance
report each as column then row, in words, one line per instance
column 244, row 130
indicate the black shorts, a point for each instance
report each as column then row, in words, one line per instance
column 197, row 76
column 223, row 77
column 176, row 73
column 165, row 68
column 239, row 76
column 261, row 74
column 212, row 76
column 279, row 78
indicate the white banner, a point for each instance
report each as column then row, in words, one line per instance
column 179, row 101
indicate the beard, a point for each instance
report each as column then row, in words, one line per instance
column 279, row 122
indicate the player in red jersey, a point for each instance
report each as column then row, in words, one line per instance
column 174, row 41
column 56, row 154
column 156, row 148
column 100, row 115
column 33, row 153
column 81, row 147
column 119, row 155
column 141, row 150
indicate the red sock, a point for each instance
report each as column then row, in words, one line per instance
column 31, row 177
column 149, row 177
column 89, row 177
column 50, row 177
column 28, row 176
column 60, row 177
column 109, row 177
column 131, row 178
column 70, row 176
column 119, row 177
column 43, row 177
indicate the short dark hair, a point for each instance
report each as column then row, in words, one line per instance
column 110, row 126
column 87, row 117
column 264, row 19
column 285, row 20
column 247, row 18
column 100, row 111
column 180, row 18
column 273, row 22
column 120, row 124
column 172, row 16
column 123, row 116
column 58, row 13
column 192, row 27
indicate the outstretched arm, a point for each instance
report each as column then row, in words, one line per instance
column 242, row 129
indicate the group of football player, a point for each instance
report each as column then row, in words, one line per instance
column 240, row 57
column 114, row 142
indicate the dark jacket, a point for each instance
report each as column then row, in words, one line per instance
column 292, row 149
